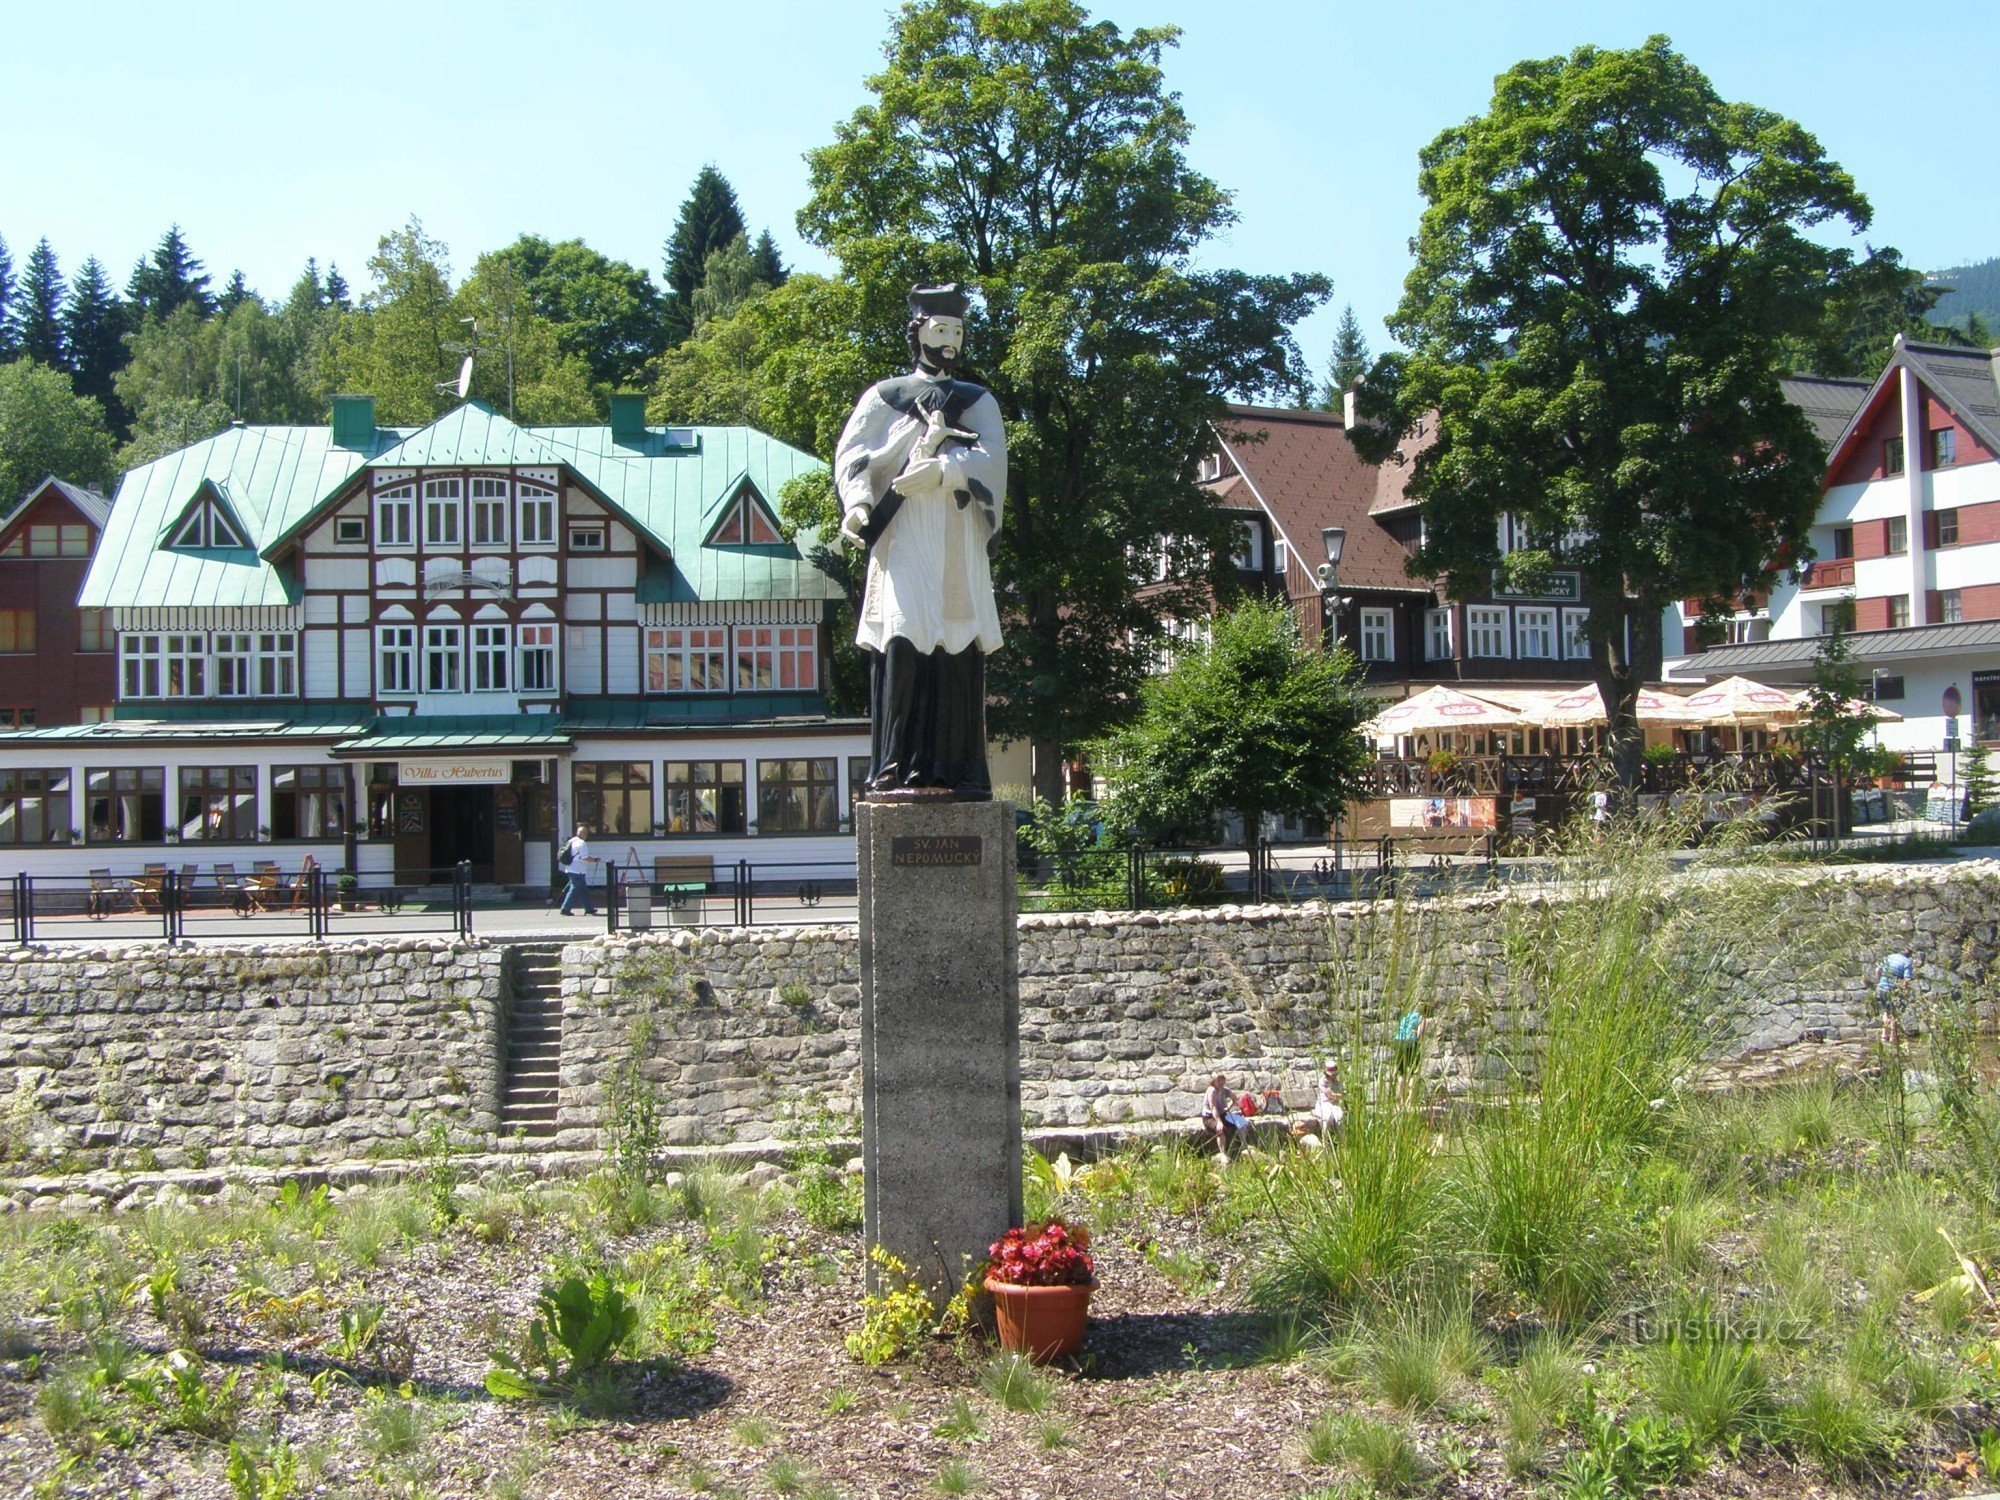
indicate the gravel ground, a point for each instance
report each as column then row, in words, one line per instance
column 1171, row 1395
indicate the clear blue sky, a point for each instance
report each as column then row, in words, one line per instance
column 276, row 132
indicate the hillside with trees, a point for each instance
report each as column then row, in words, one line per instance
column 1973, row 292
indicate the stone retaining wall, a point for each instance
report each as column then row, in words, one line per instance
column 315, row 1053
column 276, row 1051
column 1125, row 1015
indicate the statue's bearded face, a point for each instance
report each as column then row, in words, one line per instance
column 940, row 339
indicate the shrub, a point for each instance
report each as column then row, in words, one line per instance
column 1360, row 1218
column 578, row 1325
column 1713, row 1386
column 1013, row 1381
column 1381, row 1454
column 894, row 1321
column 1414, row 1358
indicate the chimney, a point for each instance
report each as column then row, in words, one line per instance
column 628, row 420
column 354, row 421
column 1347, row 404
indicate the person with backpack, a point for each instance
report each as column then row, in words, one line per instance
column 575, row 861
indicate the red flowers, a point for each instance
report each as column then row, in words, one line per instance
column 1051, row 1254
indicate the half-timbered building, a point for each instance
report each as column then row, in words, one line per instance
column 402, row 649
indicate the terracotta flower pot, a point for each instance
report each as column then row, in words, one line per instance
column 1042, row 1322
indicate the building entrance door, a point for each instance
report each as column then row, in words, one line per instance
column 462, row 829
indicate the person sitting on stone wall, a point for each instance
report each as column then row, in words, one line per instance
column 1220, row 1117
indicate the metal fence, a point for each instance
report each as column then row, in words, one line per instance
column 176, row 907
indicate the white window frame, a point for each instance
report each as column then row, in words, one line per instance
column 535, row 658
column 444, row 648
column 1537, row 626
column 444, row 515
column 396, row 519
column 492, row 503
column 350, row 531
column 1576, row 644
column 1378, row 635
column 1486, row 625
column 139, row 671
column 395, row 661
column 1248, row 554
column 492, row 652
column 778, row 647
column 535, row 522
column 598, row 529
column 1951, row 606
column 698, row 655
column 1437, row 634
column 276, row 664
column 1280, row 555
column 234, row 654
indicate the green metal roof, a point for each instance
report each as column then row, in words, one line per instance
column 653, row 713
column 127, row 731
column 407, row 739
column 274, row 477
column 668, row 485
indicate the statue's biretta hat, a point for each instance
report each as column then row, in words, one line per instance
column 947, row 301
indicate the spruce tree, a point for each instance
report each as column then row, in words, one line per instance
column 336, row 289
column 709, row 219
column 236, row 293
column 7, row 350
column 37, row 311
column 1350, row 358
column 93, row 324
column 765, row 264
column 172, row 279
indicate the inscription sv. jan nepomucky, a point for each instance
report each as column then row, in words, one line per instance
column 936, row 849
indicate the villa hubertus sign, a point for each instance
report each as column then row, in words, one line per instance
column 454, row 772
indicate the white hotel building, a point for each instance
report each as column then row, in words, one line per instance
column 400, row 649
column 1908, row 551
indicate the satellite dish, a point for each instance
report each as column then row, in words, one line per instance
column 465, row 377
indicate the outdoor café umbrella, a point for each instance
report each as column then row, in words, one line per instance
column 1585, row 706
column 1739, row 701
column 1440, row 708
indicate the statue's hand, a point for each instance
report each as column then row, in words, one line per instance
column 856, row 518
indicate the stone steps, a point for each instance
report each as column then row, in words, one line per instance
column 532, row 1083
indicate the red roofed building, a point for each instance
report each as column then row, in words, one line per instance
column 1291, row 475
column 58, row 664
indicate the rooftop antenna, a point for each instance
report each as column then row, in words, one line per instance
column 462, row 386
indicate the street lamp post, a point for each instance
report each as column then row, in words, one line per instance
column 1328, row 574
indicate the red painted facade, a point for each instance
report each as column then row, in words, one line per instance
column 55, row 680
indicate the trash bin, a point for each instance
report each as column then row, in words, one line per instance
column 638, row 906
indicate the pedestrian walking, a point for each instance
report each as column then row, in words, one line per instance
column 576, row 860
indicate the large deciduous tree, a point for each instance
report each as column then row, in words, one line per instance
column 1609, row 268
column 1038, row 155
column 393, row 346
column 604, row 310
column 46, row 428
column 1254, row 722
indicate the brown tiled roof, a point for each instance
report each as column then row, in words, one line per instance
column 1308, row 475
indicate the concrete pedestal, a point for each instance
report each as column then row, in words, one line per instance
column 940, row 1033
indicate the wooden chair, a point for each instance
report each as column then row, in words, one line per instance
column 301, row 885
column 146, row 887
column 104, row 893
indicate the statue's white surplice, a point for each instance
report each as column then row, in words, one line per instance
column 929, row 580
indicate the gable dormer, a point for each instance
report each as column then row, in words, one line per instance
column 206, row 524
column 746, row 520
